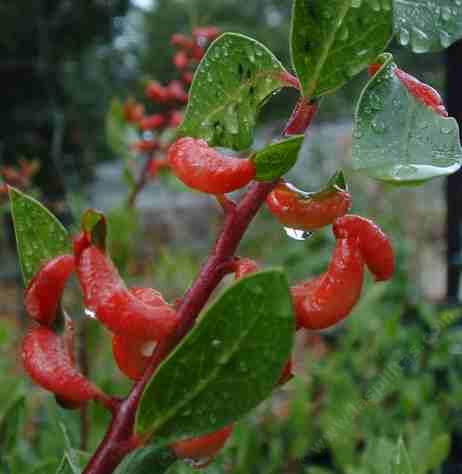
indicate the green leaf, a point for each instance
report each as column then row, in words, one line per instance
column 402, row 463
column 226, row 365
column 152, row 459
column 231, row 84
column 277, row 159
column 333, row 40
column 428, row 25
column 438, row 451
column 11, row 424
column 397, row 138
column 119, row 133
column 39, row 235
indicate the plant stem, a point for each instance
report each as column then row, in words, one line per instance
column 119, row 439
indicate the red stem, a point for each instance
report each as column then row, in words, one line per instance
column 119, row 439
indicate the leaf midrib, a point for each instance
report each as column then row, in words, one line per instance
column 328, row 44
column 204, row 381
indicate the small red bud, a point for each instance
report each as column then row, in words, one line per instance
column 181, row 60
column 152, row 122
column 182, row 41
column 156, row 92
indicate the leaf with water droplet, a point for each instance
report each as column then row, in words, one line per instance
column 332, row 41
column 428, row 25
column 404, row 141
column 226, row 95
column 253, row 314
column 39, row 235
column 277, row 159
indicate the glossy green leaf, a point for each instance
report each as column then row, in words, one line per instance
column 39, row 235
column 397, row 138
column 231, row 84
column 428, row 25
column 119, row 133
column 147, row 461
column 333, row 40
column 277, row 159
column 226, row 365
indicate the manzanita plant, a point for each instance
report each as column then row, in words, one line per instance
column 200, row 364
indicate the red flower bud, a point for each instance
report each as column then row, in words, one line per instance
column 374, row 244
column 48, row 363
column 156, row 92
column 117, row 308
column 176, row 92
column 133, row 111
column 329, row 298
column 305, row 212
column 182, row 41
column 181, row 60
column 44, row 291
column 205, row 169
column 132, row 355
column 152, row 122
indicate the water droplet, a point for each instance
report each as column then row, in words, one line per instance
column 216, row 343
column 378, row 126
column 147, row 349
column 420, row 41
column 446, row 13
column 90, row 313
column 197, row 463
column 297, row 234
column 446, row 130
column 356, row 3
column 404, row 36
column 445, row 39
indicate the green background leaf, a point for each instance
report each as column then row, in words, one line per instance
column 428, row 25
column 227, row 364
column 230, row 86
column 277, row 159
column 398, row 139
column 332, row 41
column 39, row 235
column 11, row 424
column 147, row 461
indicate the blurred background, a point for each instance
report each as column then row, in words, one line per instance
column 390, row 375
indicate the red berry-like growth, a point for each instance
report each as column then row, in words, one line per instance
column 307, row 212
column 328, row 299
column 49, row 364
column 121, row 311
column 44, row 291
column 375, row 245
column 205, row 169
